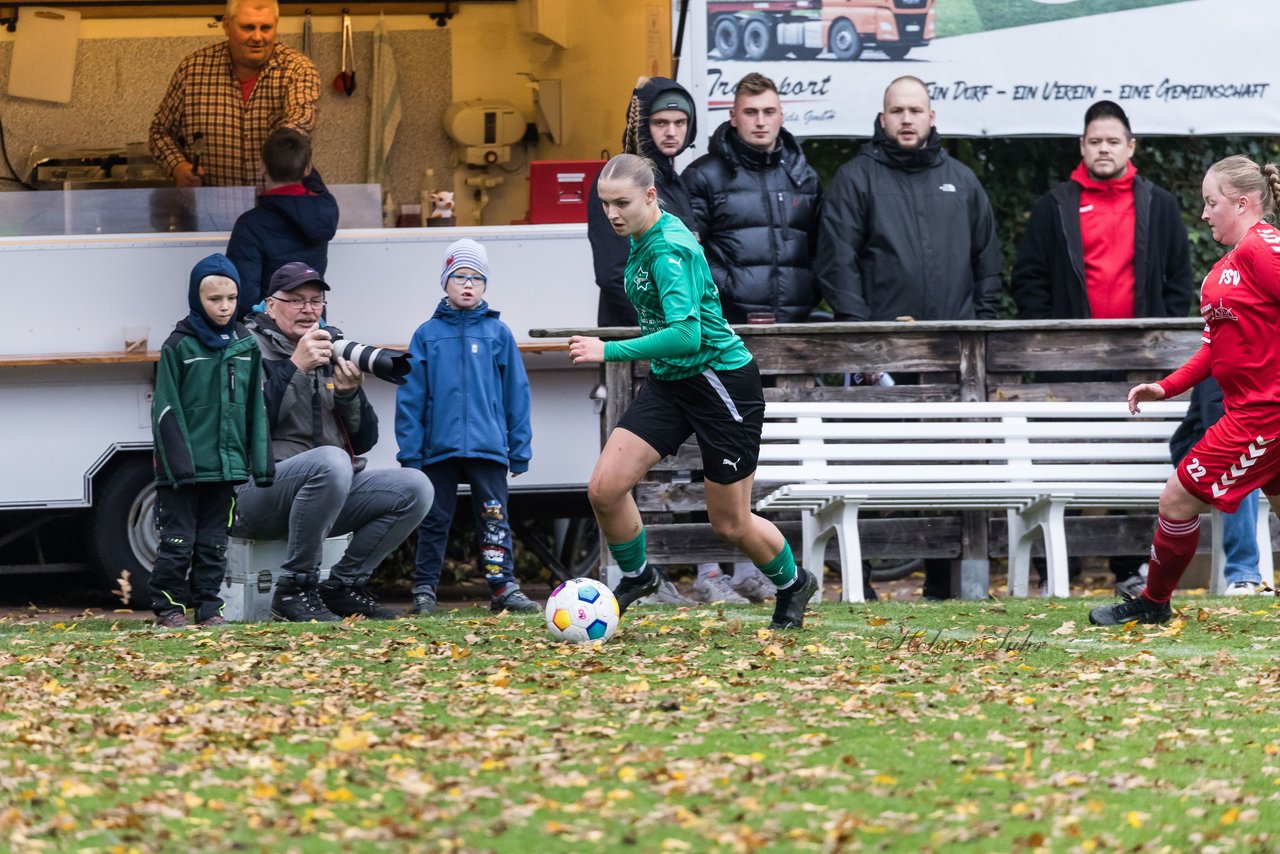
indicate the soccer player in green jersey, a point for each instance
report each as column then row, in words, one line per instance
column 702, row 381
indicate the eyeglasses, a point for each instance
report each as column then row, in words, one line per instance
column 299, row 304
column 463, row 279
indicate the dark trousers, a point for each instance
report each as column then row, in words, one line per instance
column 488, row 481
column 193, row 523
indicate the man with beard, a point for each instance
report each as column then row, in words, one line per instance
column 908, row 233
column 906, row 230
column 1107, row 243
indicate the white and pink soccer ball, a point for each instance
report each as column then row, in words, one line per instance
column 582, row 610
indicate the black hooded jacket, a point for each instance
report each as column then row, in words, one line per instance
column 908, row 233
column 757, row 216
column 279, row 230
column 609, row 249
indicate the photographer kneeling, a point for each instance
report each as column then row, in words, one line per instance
column 320, row 422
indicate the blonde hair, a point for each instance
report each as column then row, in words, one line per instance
column 632, row 168
column 233, row 6
column 1248, row 178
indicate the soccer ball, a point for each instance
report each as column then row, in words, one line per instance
column 581, row 610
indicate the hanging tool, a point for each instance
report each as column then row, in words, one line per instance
column 307, row 37
column 346, row 79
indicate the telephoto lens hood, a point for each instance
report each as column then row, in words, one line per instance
column 383, row 362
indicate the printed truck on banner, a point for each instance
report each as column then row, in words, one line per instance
column 805, row 29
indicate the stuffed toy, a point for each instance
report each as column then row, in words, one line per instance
column 442, row 204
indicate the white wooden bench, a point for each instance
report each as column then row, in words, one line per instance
column 1033, row 460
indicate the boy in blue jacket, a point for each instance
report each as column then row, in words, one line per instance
column 294, row 220
column 463, row 415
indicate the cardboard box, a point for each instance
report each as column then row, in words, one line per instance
column 252, row 569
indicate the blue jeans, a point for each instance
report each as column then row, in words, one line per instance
column 488, row 481
column 1240, row 542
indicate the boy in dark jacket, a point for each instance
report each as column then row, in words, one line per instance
column 209, row 422
column 295, row 219
column 463, row 415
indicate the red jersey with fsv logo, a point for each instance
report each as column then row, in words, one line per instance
column 1240, row 302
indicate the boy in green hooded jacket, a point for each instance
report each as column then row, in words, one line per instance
column 209, row 422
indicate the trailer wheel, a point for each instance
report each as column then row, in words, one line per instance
column 843, row 40
column 896, row 51
column 727, row 37
column 122, row 528
column 580, row 551
column 757, row 40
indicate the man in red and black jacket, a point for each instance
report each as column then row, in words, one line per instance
column 1107, row 243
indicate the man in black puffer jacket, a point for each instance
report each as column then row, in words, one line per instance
column 660, row 125
column 755, row 206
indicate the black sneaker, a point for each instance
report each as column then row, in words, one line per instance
column 788, row 611
column 424, row 602
column 301, row 606
column 348, row 601
column 513, row 599
column 172, row 620
column 1138, row 608
column 633, row 587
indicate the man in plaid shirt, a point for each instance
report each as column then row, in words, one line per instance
column 224, row 99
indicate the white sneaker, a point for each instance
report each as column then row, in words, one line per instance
column 1242, row 588
column 755, row 587
column 667, row 595
column 715, row 588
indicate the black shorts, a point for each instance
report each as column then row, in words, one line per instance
column 724, row 409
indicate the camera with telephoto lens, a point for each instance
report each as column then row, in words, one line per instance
column 383, row 362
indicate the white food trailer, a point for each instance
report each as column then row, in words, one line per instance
column 75, row 425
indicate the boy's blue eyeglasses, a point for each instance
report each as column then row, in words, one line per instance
column 462, row 279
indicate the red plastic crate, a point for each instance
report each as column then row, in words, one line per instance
column 559, row 190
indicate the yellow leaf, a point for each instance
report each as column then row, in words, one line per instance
column 876, row 621
column 1134, row 819
column 416, row 652
column 52, row 687
column 72, row 788
column 264, row 791
column 342, row 794
column 1230, row 816
column 627, row 774
column 884, row 780
column 1087, row 745
column 349, row 740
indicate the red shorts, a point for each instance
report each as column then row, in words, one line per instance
column 1234, row 458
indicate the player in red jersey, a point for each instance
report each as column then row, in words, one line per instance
column 1240, row 301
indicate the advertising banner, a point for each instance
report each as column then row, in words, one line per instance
column 995, row 67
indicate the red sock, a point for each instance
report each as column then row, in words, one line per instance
column 1172, row 549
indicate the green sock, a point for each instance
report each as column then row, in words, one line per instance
column 630, row 555
column 782, row 569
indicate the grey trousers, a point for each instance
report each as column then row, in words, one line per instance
column 316, row 495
